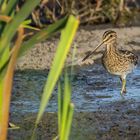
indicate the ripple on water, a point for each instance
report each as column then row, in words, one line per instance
column 92, row 87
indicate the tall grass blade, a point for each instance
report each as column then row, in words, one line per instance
column 3, row 5
column 9, row 7
column 60, row 104
column 65, row 110
column 67, row 36
column 11, row 28
column 38, row 37
column 69, row 121
column 42, row 35
column 72, row 65
column 1, row 88
column 4, row 57
column 66, row 102
column 7, row 87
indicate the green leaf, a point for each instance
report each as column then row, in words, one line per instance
column 60, row 104
column 3, row 5
column 42, row 35
column 9, row 7
column 67, row 36
column 38, row 37
column 1, row 89
column 66, row 102
column 12, row 26
column 69, row 121
column 26, row 22
column 4, row 57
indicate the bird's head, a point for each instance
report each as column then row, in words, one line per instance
column 109, row 37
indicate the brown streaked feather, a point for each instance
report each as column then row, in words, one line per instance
column 129, row 55
column 107, row 33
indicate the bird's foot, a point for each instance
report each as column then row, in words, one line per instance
column 123, row 91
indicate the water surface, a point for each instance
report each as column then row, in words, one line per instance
column 92, row 89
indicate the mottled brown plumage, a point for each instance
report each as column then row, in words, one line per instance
column 115, row 61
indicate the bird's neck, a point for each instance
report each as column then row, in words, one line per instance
column 111, row 47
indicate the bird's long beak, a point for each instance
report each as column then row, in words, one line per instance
column 87, row 56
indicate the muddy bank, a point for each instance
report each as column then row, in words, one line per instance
column 40, row 57
column 117, row 121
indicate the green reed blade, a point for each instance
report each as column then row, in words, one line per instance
column 72, row 64
column 11, row 27
column 60, row 104
column 3, row 5
column 65, row 110
column 66, row 102
column 38, row 37
column 69, row 121
column 9, row 7
column 42, row 35
column 67, row 36
column 1, row 88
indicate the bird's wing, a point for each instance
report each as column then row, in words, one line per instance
column 130, row 55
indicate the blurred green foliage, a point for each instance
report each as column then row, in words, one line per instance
column 13, row 45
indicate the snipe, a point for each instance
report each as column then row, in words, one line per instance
column 117, row 62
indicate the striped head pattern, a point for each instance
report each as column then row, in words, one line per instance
column 109, row 37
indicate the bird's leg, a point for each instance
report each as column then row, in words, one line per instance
column 123, row 90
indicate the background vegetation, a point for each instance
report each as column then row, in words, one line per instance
column 117, row 12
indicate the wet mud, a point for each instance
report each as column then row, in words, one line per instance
column 100, row 111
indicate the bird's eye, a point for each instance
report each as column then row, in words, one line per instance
column 111, row 35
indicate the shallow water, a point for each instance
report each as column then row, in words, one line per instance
column 93, row 88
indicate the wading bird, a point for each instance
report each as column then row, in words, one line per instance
column 117, row 62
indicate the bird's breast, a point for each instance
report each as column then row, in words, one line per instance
column 117, row 64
